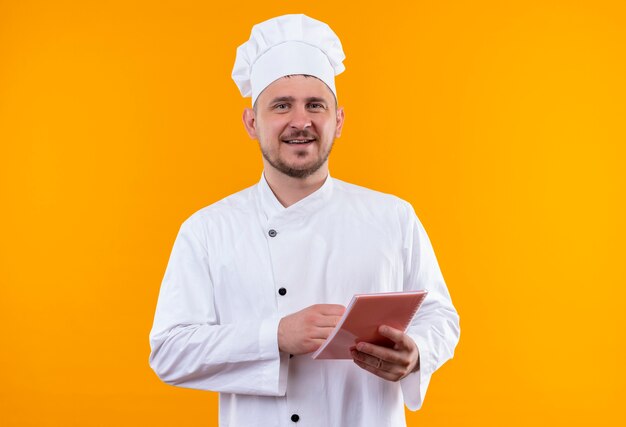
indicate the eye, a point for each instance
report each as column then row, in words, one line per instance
column 281, row 106
column 316, row 106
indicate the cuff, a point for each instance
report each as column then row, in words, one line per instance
column 414, row 385
column 268, row 348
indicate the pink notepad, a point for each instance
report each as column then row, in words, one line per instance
column 365, row 313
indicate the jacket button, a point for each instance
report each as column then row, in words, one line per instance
column 295, row 418
column 282, row 291
column 272, row 233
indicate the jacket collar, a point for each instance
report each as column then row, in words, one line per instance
column 274, row 210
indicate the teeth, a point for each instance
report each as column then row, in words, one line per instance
column 298, row 141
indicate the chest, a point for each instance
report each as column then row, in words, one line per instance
column 277, row 268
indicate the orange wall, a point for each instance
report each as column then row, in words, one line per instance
column 501, row 121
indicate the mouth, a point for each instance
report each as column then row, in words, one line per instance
column 300, row 141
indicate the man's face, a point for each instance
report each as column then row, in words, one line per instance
column 296, row 122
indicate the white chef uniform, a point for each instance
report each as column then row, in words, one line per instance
column 241, row 264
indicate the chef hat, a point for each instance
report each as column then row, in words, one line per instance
column 285, row 45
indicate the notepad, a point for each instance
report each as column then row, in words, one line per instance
column 363, row 317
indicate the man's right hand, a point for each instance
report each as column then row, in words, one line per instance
column 304, row 331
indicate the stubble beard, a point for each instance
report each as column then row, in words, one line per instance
column 296, row 172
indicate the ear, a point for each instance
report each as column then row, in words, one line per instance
column 249, row 122
column 340, row 118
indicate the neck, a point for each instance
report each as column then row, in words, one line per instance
column 289, row 190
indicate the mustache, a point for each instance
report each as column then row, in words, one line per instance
column 301, row 134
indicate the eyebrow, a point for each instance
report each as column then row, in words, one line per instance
column 292, row 99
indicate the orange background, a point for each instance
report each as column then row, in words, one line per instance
column 502, row 122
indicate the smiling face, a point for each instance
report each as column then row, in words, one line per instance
column 296, row 121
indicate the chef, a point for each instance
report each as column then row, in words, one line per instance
column 258, row 280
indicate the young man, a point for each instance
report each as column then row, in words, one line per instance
column 257, row 280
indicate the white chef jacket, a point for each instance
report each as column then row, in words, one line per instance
column 216, row 320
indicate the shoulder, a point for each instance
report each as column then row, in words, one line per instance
column 377, row 200
column 233, row 208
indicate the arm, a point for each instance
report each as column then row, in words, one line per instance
column 435, row 329
column 190, row 348
column 434, row 332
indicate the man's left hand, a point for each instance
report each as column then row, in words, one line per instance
column 391, row 364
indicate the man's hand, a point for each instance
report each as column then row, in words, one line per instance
column 391, row 364
column 304, row 331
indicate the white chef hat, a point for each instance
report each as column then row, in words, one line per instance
column 285, row 45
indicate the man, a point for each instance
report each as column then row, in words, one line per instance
column 257, row 280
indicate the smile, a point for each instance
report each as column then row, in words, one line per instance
column 298, row 141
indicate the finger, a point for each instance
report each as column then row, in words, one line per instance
column 398, row 371
column 395, row 335
column 330, row 309
column 321, row 333
column 382, row 374
column 327, row 321
column 374, row 362
column 367, row 359
column 378, row 364
column 314, row 343
column 383, row 353
column 304, row 347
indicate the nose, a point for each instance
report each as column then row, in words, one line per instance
column 300, row 119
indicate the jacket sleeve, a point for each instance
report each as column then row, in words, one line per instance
column 435, row 328
column 189, row 346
